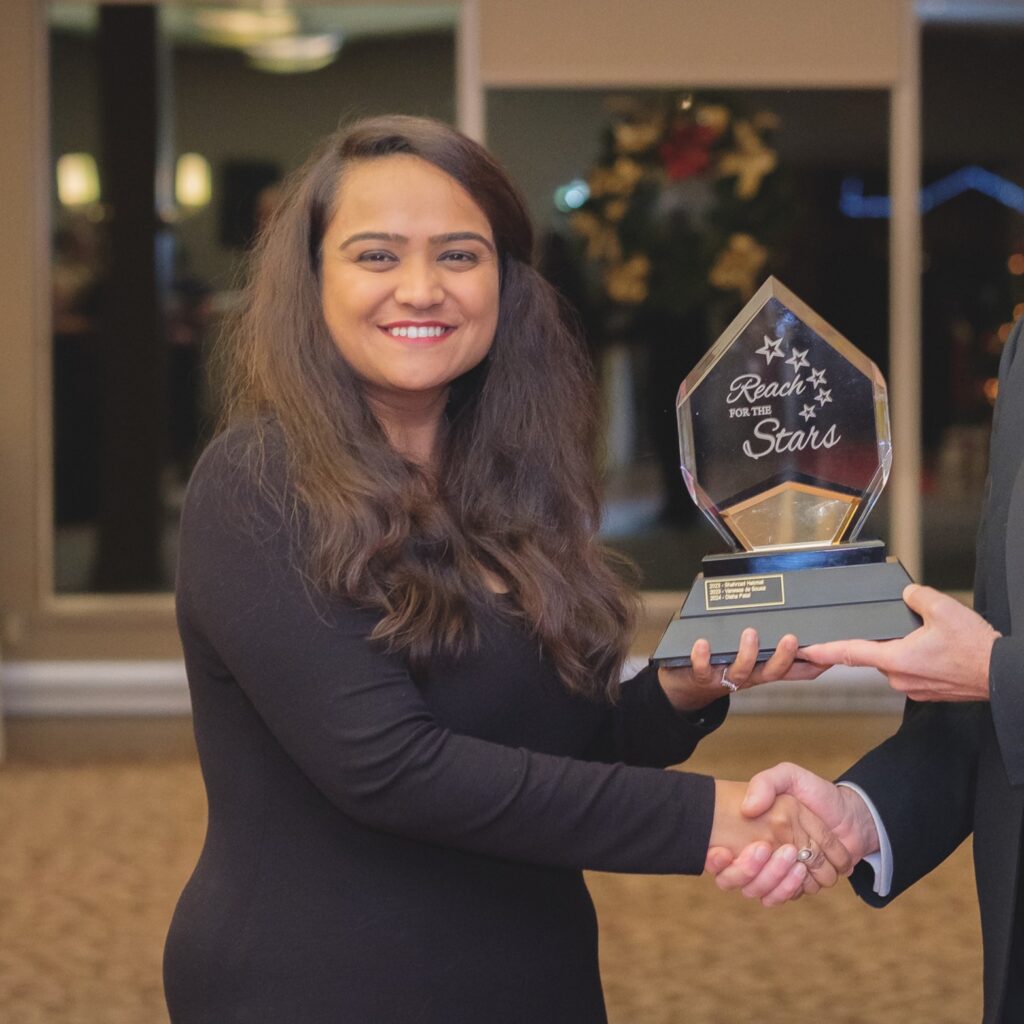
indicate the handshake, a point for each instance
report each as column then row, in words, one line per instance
column 786, row 833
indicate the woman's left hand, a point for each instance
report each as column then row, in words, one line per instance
column 692, row 688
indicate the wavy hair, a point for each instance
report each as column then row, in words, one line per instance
column 515, row 492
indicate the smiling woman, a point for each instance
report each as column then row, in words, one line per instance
column 394, row 520
column 403, row 643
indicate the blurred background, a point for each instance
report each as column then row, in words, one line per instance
column 659, row 213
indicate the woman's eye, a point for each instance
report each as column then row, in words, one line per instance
column 460, row 257
column 376, row 256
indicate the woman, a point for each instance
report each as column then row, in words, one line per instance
column 402, row 641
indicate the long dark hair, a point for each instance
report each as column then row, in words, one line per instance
column 515, row 492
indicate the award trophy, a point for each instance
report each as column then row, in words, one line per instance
column 785, row 446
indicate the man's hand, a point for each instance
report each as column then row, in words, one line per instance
column 947, row 658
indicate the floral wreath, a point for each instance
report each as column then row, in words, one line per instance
column 685, row 206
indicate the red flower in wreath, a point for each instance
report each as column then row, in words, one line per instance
column 687, row 150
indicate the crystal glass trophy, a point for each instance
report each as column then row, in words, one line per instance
column 785, row 446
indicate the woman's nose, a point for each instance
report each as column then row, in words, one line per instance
column 419, row 284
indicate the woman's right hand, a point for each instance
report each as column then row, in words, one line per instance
column 700, row 683
column 787, row 826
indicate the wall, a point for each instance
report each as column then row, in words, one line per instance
column 662, row 42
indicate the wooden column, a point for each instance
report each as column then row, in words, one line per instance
column 905, row 299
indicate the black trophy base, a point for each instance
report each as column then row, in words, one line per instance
column 839, row 592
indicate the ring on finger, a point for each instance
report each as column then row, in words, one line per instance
column 804, row 854
column 727, row 683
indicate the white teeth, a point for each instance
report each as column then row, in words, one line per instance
column 416, row 332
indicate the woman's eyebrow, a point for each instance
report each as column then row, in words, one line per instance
column 372, row 236
column 462, row 236
column 451, row 236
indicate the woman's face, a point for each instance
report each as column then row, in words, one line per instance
column 409, row 280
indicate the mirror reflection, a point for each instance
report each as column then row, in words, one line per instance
column 171, row 128
column 664, row 212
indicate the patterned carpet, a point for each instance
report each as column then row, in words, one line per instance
column 94, row 849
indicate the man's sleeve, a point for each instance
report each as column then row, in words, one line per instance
column 1006, row 697
column 880, row 862
column 921, row 781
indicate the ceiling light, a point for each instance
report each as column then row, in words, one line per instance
column 238, row 27
column 292, row 54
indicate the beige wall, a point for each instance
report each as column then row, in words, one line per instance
column 664, row 42
column 528, row 42
column 23, row 436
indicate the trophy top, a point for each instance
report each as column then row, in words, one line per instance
column 784, row 428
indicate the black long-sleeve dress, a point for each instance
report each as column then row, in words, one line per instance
column 382, row 849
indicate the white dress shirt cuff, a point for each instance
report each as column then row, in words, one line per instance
column 880, row 862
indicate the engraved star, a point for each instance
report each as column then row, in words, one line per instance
column 824, row 395
column 808, row 412
column 770, row 349
column 798, row 359
column 817, row 378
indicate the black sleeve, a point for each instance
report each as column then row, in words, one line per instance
column 1006, row 697
column 922, row 782
column 643, row 727
column 352, row 719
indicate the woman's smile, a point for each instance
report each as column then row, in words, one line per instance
column 418, row 332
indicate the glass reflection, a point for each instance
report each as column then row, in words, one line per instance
column 194, row 140
column 721, row 189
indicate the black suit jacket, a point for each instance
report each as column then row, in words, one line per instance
column 956, row 768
